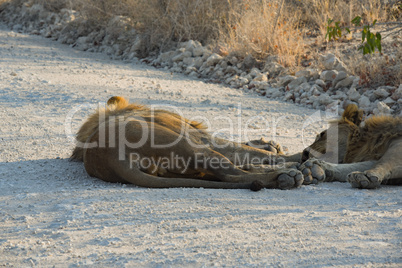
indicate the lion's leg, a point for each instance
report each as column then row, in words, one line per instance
column 315, row 170
column 270, row 146
column 137, row 177
column 240, row 154
column 279, row 177
column 387, row 169
column 267, row 168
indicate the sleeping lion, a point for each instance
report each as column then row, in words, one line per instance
column 365, row 156
column 130, row 143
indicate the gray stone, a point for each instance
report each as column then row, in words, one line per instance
column 285, row 80
column 191, row 45
column 389, row 101
column 82, row 43
column 190, row 70
column 166, row 57
column 199, row 51
column 353, row 95
column 255, row 72
column 339, row 77
column 241, row 81
column 218, row 74
column 340, row 95
column 213, row 59
column 306, row 73
column 315, row 90
column 182, row 56
column 189, row 61
column 364, row 102
column 288, row 96
column 331, row 62
column 277, row 93
column 382, row 109
column 232, row 70
column 345, row 82
column 297, row 82
column 261, row 78
column 383, row 92
column 320, row 83
column 305, row 87
column 356, row 82
column 274, row 69
column 325, row 99
column 249, row 62
column 397, row 95
column 328, row 76
column 198, row 62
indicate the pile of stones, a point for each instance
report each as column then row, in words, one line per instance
column 330, row 86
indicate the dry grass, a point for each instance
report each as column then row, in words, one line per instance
column 376, row 70
column 264, row 29
column 241, row 26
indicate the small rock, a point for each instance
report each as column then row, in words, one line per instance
column 213, row 59
column 320, row 83
column 382, row 109
column 353, row 94
column 198, row 62
column 182, row 56
column 389, row 101
column 274, row 69
column 345, row 82
column 325, row 99
column 315, row 90
column 364, row 102
column 383, row 92
column 166, row 57
column 249, row 62
column 189, row 61
column 297, row 82
column 261, row 78
column 232, row 70
column 285, row 80
column 328, row 75
column 331, row 62
column 255, row 72
column 339, row 77
column 305, row 73
column 288, row 96
column 241, row 81
column 191, row 45
column 397, row 95
column 199, row 51
column 305, row 87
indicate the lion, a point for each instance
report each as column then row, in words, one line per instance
column 366, row 156
column 132, row 143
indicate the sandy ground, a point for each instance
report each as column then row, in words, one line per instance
column 53, row 214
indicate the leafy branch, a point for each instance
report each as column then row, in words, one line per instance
column 370, row 41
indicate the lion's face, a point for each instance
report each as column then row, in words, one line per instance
column 330, row 145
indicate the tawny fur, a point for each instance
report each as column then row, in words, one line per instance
column 368, row 155
column 371, row 141
column 107, row 162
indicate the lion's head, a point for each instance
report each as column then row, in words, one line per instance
column 331, row 144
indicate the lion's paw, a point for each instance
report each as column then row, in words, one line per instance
column 313, row 171
column 270, row 146
column 363, row 180
column 290, row 179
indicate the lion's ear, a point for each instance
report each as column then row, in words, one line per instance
column 353, row 114
column 119, row 102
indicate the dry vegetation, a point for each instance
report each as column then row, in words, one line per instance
column 293, row 32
